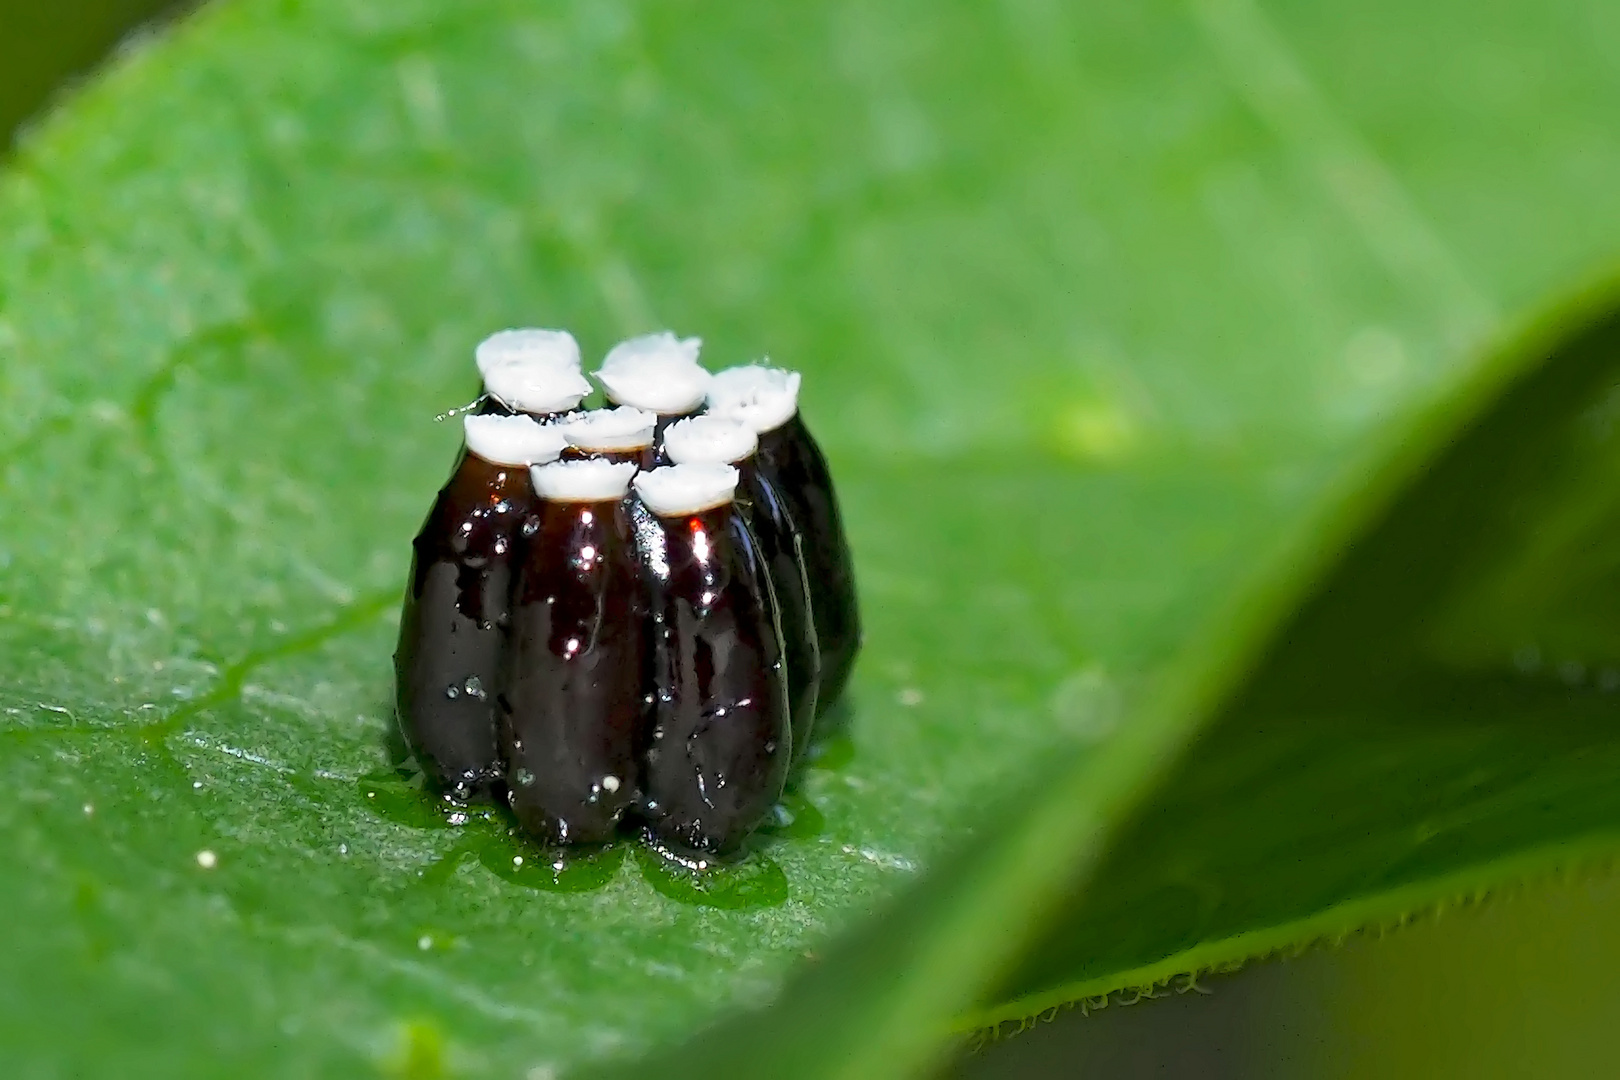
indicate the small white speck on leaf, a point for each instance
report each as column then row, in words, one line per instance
column 910, row 697
column 1087, row 705
column 207, row 859
column 424, row 943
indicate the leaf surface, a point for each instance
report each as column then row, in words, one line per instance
column 1426, row 716
column 1092, row 307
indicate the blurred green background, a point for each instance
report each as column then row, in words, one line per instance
column 1519, row 983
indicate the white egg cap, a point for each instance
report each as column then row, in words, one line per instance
column 529, row 344
column 536, row 386
column 624, row 428
column 711, row 440
column 686, row 489
column 759, row 397
column 582, row 481
column 512, row 440
column 659, row 372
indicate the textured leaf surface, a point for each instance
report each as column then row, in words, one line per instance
column 1090, row 305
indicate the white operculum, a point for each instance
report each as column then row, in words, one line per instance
column 624, row 428
column 686, row 489
column 528, row 344
column 760, row 397
column 583, row 481
column 512, row 440
column 659, row 372
column 713, row 440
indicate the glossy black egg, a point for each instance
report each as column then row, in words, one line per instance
column 453, row 625
column 573, row 700
column 721, row 740
column 781, row 552
column 790, row 460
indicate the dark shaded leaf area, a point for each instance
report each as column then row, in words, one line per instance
column 1097, row 309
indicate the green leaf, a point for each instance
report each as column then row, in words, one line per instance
column 1440, row 702
column 1092, row 306
column 1430, row 715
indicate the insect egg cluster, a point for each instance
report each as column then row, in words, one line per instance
column 626, row 618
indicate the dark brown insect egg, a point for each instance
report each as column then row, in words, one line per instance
column 766, row 400
column 721, row 738
column 623, row 434
column 656, row 372
column 573, row 703
column 715, row 440
column 453, row 625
